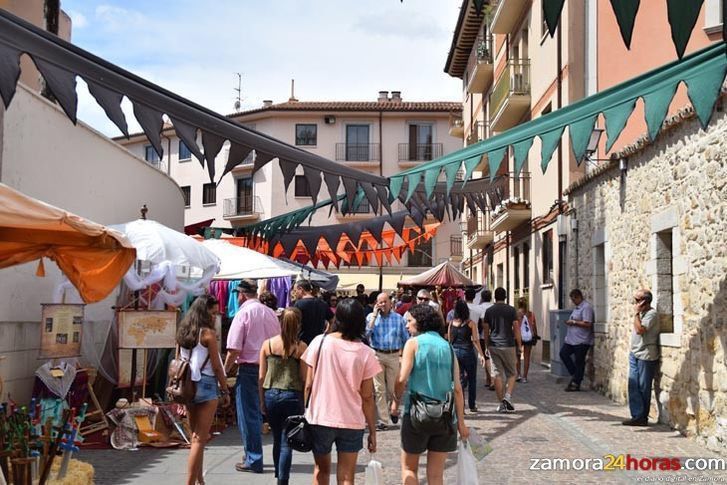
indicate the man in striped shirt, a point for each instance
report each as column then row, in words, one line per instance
column 387, row 334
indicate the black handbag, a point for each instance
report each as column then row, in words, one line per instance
column 297, row 429
column 429, row 415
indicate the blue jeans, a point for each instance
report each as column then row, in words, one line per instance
column 467, row 359
column 641, row 375
column 578, row 368
column 281, row 404
column 249, row 416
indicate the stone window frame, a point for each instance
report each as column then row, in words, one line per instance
column 667, row 220
column 600, row 238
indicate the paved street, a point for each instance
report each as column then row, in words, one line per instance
column 548, row 423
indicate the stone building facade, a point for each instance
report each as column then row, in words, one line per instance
column 655, row 217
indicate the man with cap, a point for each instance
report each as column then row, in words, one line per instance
column 253, row 324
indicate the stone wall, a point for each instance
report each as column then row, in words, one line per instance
column 670, row 202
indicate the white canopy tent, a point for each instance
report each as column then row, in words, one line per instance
column 237, row 262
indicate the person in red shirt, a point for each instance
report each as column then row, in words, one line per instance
column 406, row 303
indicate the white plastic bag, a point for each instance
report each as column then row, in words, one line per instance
column 374, row 473
column 479, row 447
column 466, row 465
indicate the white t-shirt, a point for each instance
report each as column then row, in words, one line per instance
column 483, row 308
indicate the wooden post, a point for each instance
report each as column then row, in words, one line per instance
column 144, row 377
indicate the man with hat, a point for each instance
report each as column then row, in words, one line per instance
column 253, row 324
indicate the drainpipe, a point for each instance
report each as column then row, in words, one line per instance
column 381, row 173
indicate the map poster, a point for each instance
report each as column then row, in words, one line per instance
column 147, row 329
column 124, row 363
column 60, row 330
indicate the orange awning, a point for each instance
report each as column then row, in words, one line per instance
column 93, row 257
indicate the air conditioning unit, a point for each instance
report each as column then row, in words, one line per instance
column 329, row 120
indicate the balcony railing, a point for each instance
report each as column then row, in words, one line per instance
column 419, row 152
column 513, row 81
column 510, row 189
column 242, row 206
column 455, row 246
column 456, row 124
column 357, row 152
column 478, row 132
column 480, row 62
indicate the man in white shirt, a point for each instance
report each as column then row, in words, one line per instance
column 486, row 298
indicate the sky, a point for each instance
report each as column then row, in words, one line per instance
column 334, row 49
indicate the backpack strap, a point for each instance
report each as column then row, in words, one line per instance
column 315, row 369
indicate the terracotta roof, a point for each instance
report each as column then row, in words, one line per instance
column 333, row 106
column 391, row 106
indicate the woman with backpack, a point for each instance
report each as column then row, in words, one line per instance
column 197, row 341
column 340, row 384
column 529, row 335
column 282, row 379
column 430, row 369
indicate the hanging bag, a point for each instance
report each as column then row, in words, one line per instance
column 297, row 428
column 526, row 334
column 374, row 472
column 466, row 465
column 181, row 388
column 429, row 415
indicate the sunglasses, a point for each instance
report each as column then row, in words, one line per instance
column 420, row 298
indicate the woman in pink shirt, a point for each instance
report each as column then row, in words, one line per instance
column 341, row 387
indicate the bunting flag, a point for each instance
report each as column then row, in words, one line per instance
column 703, row 72
column 682, row 15
column 61, row 63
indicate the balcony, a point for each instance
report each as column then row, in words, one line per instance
column 412, row 154
column 357, row 152
column 477, row 133
column 242, row 209
column 455, row 248
column 510, row 99
column 480, row 64
column 456, row 125
column 507, row 14
column 479, row 234
column 510, row 201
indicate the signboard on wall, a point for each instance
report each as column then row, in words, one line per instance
column 61, row 330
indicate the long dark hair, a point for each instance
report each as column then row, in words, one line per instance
column 197, row 318
column 350, row 319
column 461, row 311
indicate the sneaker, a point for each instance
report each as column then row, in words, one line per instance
column 518, row 379
column 502, row 408
column 573, row 387
column 636, row 422
column 474, row 409
column 508, row 405
column 524, row 380
column 381, row 427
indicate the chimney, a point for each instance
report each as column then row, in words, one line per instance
column 292, row 98
column 267, row 103
column 383, row 96
column 396, row 96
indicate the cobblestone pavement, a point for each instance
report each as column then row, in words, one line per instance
column 548, row 423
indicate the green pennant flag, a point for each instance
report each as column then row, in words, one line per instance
column 521, row 150
column 616, row 119
column 469, row 167
column 450, row 172
column 395, row 184
column 656, row 105
column 703, row 91
column 430, row 180
column 548, row 143
column 413, row 180
column 494, row 159
column 551, row 11
column 683, row 15
column 580, row 134
column 625, row 12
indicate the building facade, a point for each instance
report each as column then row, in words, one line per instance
column 383, row 137
column 512, row 71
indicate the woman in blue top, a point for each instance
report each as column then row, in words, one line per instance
column 426, row 367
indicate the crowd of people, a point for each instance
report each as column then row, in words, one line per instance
column 351, row 365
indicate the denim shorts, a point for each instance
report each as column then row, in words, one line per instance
column 347, row 440
column 206, row 389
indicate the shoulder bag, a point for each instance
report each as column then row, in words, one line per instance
column 431, row 416
column 297, row 429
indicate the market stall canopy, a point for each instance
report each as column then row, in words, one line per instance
column 237, row 262
column 93, row 257
column 323, row 279
column 179, row 263
column 444, row 275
